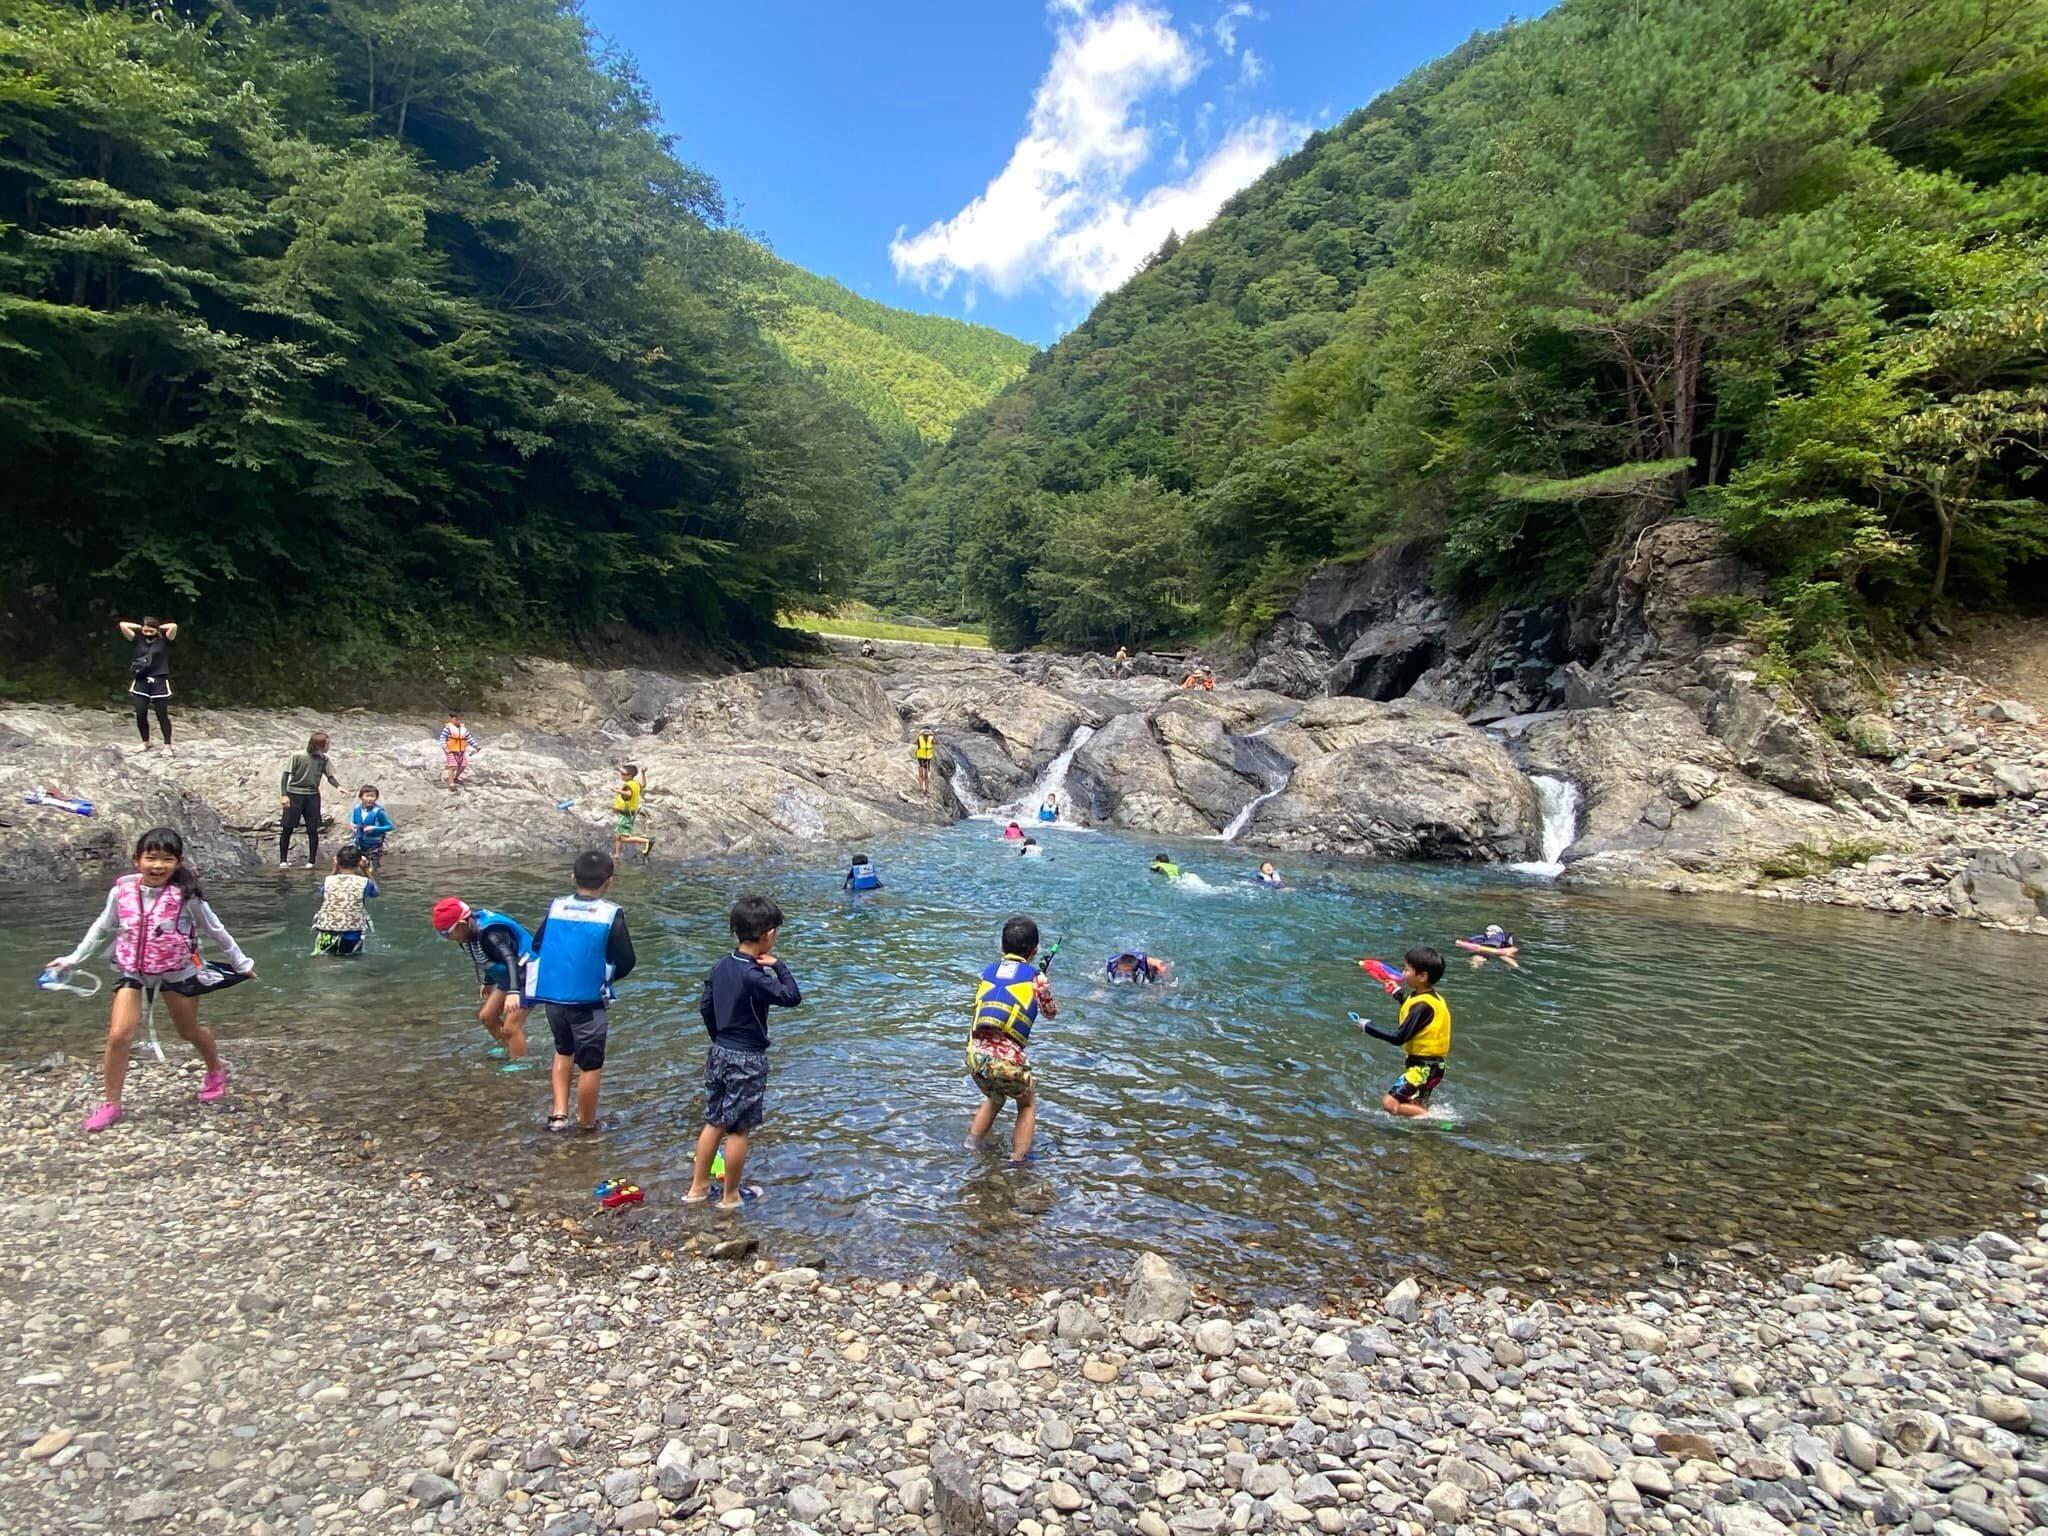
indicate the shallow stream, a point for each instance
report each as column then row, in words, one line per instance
column 1664, row 1076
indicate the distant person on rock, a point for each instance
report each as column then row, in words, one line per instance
column 734, row 1005
column 1136, row 965
column 1423, row 1030
column 1200, row 677
column 867, row 648
column 149, row 674
column 370, row 824
column 344, row 915
column 626, row 802
column 456, row 745
column 298, row 797
column 1010, row 998
column 924, row 752
column 1122, row 664
column 498, row 947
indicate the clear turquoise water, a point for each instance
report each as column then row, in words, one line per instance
column 1664, row 1075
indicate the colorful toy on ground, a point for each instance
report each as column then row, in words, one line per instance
column 612, row 1193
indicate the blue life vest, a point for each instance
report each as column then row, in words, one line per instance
column 484, row 917
column 571, row 967
column 1142, row 973
column 1007, row 999
column 1047, row 813
column 864, row 877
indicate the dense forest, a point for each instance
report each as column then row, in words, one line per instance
column 1777, row 261
column 912, row 376
column 360, row 333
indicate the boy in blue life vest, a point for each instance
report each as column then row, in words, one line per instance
column 579, row 950
column 497, row 947
column 1136, row 965
column 1423, row 1030
column 862, row 875
column 1011, row 996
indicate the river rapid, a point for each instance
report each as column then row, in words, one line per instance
column 1663, row 1078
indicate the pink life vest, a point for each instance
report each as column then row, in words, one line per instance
column 152, row 941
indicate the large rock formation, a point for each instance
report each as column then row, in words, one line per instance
column 1400, row 780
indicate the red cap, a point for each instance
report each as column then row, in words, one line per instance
column 447, row 913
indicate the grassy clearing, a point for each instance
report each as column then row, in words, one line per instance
column 881, row 629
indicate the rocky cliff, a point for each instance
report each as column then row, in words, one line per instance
column 1691, row 771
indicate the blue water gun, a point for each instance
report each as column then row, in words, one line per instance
column 57, row 802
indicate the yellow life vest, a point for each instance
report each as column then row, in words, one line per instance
column 1434, row 1039
column 1007, row 998
column 628, row 797
column 924, row 745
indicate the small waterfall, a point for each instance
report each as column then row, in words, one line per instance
column 1272, row 769
column 1054, row 779
column 1557, row 802
column 964, row 790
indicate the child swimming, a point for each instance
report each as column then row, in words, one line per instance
column 1423, row 1030
column 861, row 875
column 1135, row 965
column 343, row 916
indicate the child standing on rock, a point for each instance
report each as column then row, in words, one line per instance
column 1012, row 995
column 738, row 993
column 580, row 948
column 155, row 916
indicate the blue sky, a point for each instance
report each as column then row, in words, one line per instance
column 1006, row 162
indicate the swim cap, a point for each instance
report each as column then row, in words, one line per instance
column 1495, row 931
column 447, row 913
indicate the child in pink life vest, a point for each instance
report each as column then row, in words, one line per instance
column 155, row 916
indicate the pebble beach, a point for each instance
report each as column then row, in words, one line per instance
column 249, row 1322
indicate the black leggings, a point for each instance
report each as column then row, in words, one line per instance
column 304, row 808
column 163, row 717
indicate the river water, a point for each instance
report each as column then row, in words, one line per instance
column 1664, row 1075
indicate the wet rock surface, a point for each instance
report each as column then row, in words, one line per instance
column 234, row 1321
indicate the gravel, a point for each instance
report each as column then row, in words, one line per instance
column 241, row 1323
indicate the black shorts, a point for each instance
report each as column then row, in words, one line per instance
column 150, row 688
column 579, row 1032
column 735, row 1089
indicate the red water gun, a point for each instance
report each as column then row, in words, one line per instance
column 1382, row 973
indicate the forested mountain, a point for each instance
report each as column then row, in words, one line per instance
column 1778, row 260
column 913, row 376
column 357, row 332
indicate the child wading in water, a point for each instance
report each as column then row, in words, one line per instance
column 1424, row 1031
column 371, row 824
column 626, row 812
column 343, row 916
column 580, row 948
column 155, row 916
column 1012, row 995
column 738, row 993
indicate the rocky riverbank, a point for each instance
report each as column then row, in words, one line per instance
column 240, row 1322
column 1689, row 772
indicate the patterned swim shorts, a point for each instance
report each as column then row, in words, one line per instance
column 735, row 1089
column 999, row 1069
column 1417, row 1082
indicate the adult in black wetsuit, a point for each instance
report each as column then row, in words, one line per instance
column 149, row 672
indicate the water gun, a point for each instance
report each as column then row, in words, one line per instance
column 57, row 802
column 53, row 979
column 1382, row 973
column 1046, row 960
column 611, row 1194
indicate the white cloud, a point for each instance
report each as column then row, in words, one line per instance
column 1061, row 211
column 1224, row 29
column 1251, row 69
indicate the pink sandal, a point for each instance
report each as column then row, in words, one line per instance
column 214, row 1087
column 102, row 1117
